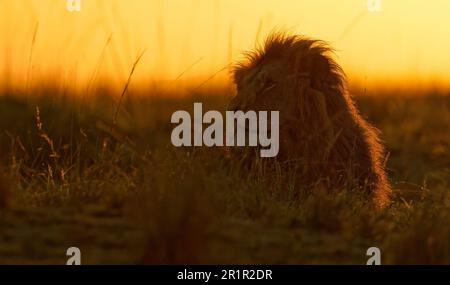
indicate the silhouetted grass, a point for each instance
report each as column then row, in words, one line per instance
column 123, row 194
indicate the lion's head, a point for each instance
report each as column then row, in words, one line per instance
column 297, row 77
column 282, row 66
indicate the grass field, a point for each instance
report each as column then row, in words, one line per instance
column 123, row 194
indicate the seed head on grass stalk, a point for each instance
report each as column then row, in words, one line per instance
column 125, row 89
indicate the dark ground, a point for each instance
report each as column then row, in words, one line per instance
column 123, row 194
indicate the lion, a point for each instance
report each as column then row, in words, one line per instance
column 321, row 128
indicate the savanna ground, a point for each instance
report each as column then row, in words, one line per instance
column 124, row 195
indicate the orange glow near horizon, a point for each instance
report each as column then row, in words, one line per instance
column 407, row 43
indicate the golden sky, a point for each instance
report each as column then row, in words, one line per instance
column 406, row 43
